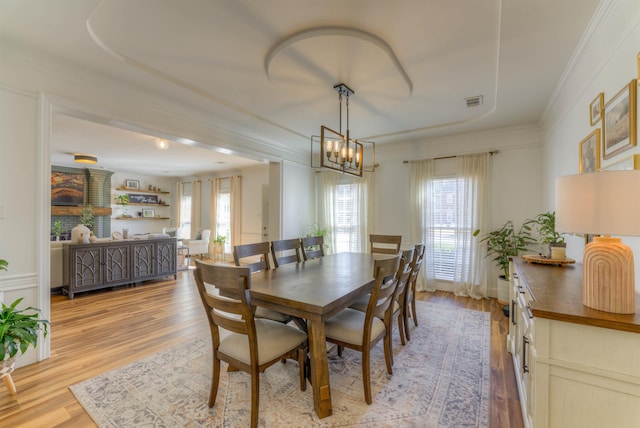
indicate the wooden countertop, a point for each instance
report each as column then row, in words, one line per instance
column 557, row 295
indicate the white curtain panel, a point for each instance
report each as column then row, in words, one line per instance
column 176, row 204
column 472, row 173
column 216, row 184
column 235, row 195
column 328, row 187
column 472, row 184
column 421, row 173
column 196, row 204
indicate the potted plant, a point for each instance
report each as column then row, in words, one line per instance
column 57, row 229
column 18, row 331
column 316, row 230
column 545, row 226
column 219, row 241
column 502, row 244
column 124, row 201
column 87, row 217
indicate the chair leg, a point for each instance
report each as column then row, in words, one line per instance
column 413, row 309
column 340, row 349
column 302, row 358
column 366, row 375
column 401, row 328
column 388, row 352
column 405, row 321
column 215, row 380
column 255, row 397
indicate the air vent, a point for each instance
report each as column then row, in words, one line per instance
column 474, row 101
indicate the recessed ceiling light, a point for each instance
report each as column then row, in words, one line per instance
column 162, row 144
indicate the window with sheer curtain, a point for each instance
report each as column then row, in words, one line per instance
column 346, row 210
column 448, row 207
column 184, row 230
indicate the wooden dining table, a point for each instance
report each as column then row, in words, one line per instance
column 315, row 290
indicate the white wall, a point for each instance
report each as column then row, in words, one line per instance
column 298, row 201
column 21, row 236
column 142, row 226
column 605, row 64
column 515, row 182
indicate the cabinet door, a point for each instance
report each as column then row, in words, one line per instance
column 117, row 267
column 144, row 265
column 166, row 257
column 85, row 268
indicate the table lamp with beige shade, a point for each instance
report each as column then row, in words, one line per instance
column 603, row 203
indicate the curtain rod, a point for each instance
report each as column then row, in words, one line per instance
column 492, row 152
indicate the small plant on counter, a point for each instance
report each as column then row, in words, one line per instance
column 87, row 217
column 57, row 229
column 3, row 264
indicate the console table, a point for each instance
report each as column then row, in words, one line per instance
column 112, row 263
column 575, row 366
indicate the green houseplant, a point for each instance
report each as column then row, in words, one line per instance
column 502, row 244
column 87, row 217
column 124, row 201
column 19, row 330
column 57, row 229
column 219, row 241
column 545, row 226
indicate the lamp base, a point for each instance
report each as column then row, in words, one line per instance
column 608, row 276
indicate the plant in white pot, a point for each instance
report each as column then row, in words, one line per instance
column 502, row 244
column 18, row 331
column 545, row 226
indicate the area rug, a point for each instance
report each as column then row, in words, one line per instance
column 440, row 379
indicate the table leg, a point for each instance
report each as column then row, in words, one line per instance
column 319, row 369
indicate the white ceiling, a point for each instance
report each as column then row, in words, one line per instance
column 265, row 70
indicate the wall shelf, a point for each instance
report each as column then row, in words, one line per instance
column 144, row 205
column 75, row 211
column 127, row 189
column 143, row 218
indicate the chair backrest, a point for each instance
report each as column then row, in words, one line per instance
column 230, row 307
column 289, row 250
column 419, row 251
column 206, row 235
column 407, row 255
column 385, row 244
column 257, row 255
column 383, row 292
column 312, row 247
column 418, row 257
column 404, row 281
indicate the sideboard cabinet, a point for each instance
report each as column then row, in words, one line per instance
column 112, row 263
column 574, row 366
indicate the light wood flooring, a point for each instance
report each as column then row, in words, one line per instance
column 100, row 331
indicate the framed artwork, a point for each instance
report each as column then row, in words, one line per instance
column 631, row 162
column 132, row 184
column 148, row 213
column 135, row 198
column 67, row 188
column 595, row 109
column 620, row 121
column 590, row 153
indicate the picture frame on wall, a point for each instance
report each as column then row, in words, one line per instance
column 132, row 184
column 595, row 109
column 148, row 213
column 619, row 121
column 628, row 163
column 590, row 152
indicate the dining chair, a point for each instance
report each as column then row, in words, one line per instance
column 400, row 297
column 385, row 244
column 248, row 344
column 361, row 331
column 312, row 247
column 418, row 257
column 256, row 258
column 289, row 250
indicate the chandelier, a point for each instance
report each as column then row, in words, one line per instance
column 339, row 151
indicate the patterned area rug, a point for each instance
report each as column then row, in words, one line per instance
column 441, row 379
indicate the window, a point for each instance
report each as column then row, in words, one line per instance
column 185, row 211
column 223, row 218
column 444, row 210
column 347, row 218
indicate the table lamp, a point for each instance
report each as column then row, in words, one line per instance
column 605, row 203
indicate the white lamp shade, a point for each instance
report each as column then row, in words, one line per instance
column 603, row 203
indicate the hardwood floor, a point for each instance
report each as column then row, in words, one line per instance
column 99, row 331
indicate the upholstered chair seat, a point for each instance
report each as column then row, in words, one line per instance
column 348, row 326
